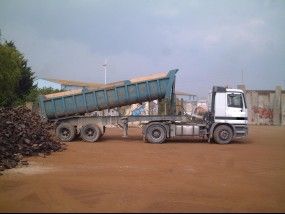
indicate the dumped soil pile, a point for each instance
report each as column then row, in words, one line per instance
column 23, row 133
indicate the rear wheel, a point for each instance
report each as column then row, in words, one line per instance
column 156, row 133
column 90, row 133
column 223, row 134
column 65, row 132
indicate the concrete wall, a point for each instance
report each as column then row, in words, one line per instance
column 265, row 107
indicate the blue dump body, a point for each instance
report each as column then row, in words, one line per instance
column 109, row 97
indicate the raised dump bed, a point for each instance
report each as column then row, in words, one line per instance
column 137, row 90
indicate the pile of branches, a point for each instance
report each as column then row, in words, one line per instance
column 23, row 133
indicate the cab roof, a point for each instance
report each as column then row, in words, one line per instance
column 234, row 90
column 225, row 89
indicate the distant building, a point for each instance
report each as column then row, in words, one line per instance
column 185, row 102
column 64, row 84
column 185, row 96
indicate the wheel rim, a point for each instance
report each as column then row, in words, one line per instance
column 65, row 132
column 224, row 134
column 156, row 133
column 90, row 132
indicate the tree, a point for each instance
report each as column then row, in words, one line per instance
column 10, row 73
column 16, row 77
column 36, row 92
column 26, row 81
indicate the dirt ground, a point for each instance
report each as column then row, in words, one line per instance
column 129, row 175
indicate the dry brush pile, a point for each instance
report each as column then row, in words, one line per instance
column 23, row 133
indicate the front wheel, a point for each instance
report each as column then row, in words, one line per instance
column 223, row 134
column 156, row 133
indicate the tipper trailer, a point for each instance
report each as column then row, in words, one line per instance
column 225, row 120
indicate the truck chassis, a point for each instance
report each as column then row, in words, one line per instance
column 156, row 128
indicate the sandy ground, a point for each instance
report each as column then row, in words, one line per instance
column 129, row 175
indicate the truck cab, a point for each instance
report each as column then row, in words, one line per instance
column 229, row 111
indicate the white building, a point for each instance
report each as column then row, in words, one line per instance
column 64, row 84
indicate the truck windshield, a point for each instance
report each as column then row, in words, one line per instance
column 235, row 100
column 244, row 100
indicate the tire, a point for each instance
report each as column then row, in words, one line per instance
column 101, row 135
column 90, row 133
column 65, row 132
column 156, row 134
column 223, row 134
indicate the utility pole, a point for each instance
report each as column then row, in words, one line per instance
column 105, row 70
column 242, row 76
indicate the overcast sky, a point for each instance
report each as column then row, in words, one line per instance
column 210, row 42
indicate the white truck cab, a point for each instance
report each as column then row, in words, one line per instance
column 229, row 110
column 230, row 107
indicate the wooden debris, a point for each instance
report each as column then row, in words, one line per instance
column 23, row 133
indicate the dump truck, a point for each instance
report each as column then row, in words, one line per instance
column 70, row 111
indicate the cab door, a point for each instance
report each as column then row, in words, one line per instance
column 236, row 110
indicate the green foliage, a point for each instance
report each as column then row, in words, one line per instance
column 16, row 77
column 36, row 92
column 49, row 90
column 26, row 81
